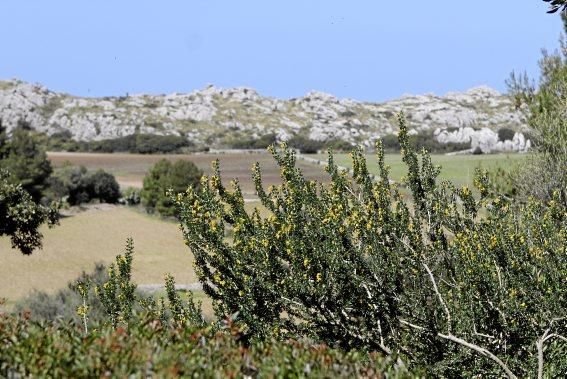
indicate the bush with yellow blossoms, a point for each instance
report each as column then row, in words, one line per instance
column 450, row 280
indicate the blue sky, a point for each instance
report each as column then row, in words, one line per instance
column 369, row 50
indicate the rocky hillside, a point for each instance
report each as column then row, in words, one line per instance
column 215, row 116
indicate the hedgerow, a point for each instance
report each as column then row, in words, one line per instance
column 451, row 283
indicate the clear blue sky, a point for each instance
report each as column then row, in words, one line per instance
column 368, row 50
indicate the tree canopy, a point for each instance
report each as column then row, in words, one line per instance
column 21, row 217
column 165, row 176
column 25, row 160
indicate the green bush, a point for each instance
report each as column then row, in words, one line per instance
column 505, row 134
column 253, row 143
column 154, row 144
column 149, row 337
column 104, row 187
column 454, row 285
column 305, row 145
column 423, row 140
column 141, row 144
column 75, row 185
column 339, row 145
column 164, row 176
column 390, row 143
column 131, row 196
column 545, row 108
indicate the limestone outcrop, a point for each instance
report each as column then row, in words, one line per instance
column 214, row 116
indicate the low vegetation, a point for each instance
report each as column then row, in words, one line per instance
column 138, row 143
column 170, row 331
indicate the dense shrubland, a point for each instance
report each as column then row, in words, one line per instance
column 452, row 284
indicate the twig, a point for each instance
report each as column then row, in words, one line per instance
column 439, row 296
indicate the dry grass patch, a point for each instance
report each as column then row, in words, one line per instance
column 96, row 236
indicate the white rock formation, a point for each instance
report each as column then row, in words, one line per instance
column 217, row 115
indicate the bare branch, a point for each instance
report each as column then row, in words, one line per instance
column 539, row 344
column 482, row 351
column 412, row 325
column 439, row 296
column 555, row 336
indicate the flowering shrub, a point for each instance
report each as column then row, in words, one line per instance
column 445, row 281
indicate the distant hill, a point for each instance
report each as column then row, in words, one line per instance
column 215, row 116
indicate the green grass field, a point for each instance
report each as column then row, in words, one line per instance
column 457, row 168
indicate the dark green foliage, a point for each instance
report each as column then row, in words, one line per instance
column 133, row 143
column 253, row 143
column 25, row 160
column 141, row 144
column 154, row 144
column 426, row 140
column 356, row 265
column 61, row 307
column 423, row 140
column 390, row 143
column 73, row 183
column 76, row 186
column 505, row 134
column 131, row 196
column 104, row 187
column 338, row 145
column 305, row 145
column 21, row 217
column 165, row 176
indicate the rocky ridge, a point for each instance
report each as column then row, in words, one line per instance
column 214, row 116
